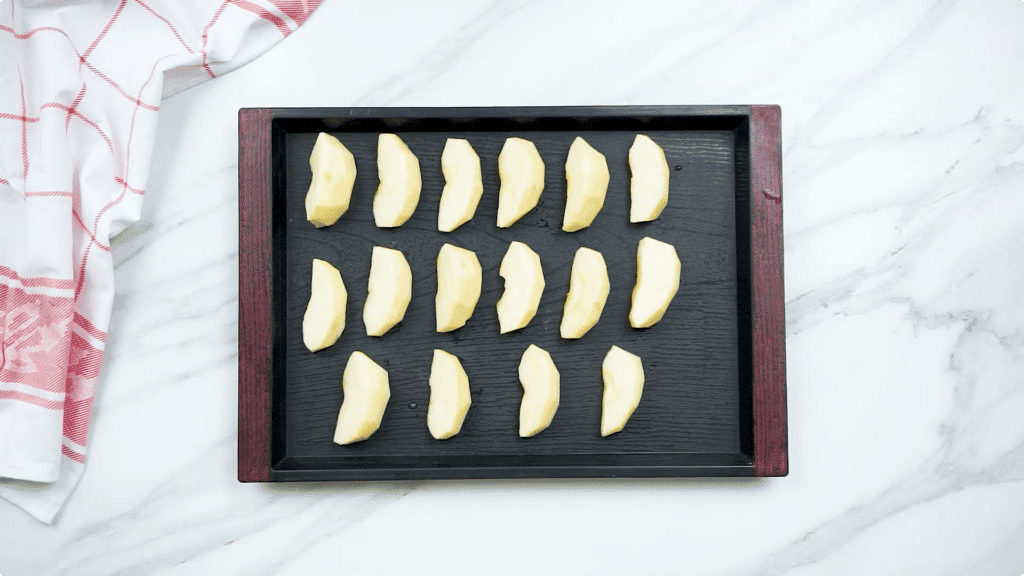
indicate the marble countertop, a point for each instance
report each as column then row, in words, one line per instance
column 903, row 130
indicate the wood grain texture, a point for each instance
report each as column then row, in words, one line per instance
column 769, row 330
column 695, row 417
column 254, row 294
column 690, row 357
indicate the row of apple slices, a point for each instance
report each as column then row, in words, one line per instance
column 522, row 180
column 459, row 276
column 367, row 391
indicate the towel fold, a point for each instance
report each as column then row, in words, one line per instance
column 80, row 90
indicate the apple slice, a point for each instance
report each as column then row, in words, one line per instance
column 324, row 319
column 400, row 182
column 586, row 174
column 449, row 396
column 366, row 394
column 524, row 284
column 463, row 186
column 588, row 290
column 388, row 292
column 623, row 376
column 648, row 185
column 657, row 281
column 522, row 180
column 541, row 393
column 458, row 287
column 334, row 173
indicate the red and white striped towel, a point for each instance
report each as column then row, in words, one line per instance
column 80, row 89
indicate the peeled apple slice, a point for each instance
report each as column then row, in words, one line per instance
column 588, row 290
column 648, row 185
column 463, row 184
column 389, row 291
column 541, row 393
column 524, row 284
column 366, row 394
column 522, row 180
column 400, row 182
column 586, row 172
column 458, row 287
column 334, row 173
column 623, row 376
column 449, row 396
column 324, row 319
column 657, row 281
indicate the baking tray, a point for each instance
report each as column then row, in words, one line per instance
column 714, row 398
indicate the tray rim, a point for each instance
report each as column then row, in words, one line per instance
column 769, row 413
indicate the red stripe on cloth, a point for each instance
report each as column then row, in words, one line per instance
column 81, row 270
column 127, row 161
column 73, row 112
column 122, row 182
column 4, row 181
column 30, row 399
column 31, row 32
column 38, row 281
column 89, row 328
column 9, row 116
column 72, row 454
column 74, row 105
column 83, row 60
column 84, row 362
column 206, row 34
column 24, row 128
column 103, row 77
column 36, row 340
column 169, row 25
column 49, row 193
column 76, row 420
column 106, row 29
column 124, row 188
column 297, row 10
column 83, row 371
column 78, row 220
column 265, row 14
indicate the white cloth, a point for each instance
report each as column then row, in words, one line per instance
column 80, row 89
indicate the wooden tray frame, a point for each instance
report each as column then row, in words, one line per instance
column 256, row 132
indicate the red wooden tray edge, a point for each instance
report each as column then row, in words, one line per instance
column 771, row 456
column 254, row 293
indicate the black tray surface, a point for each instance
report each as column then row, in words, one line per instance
column 694, row 417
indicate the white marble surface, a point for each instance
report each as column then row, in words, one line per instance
column 903, row 126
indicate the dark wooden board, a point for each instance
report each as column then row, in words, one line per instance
column 254, row 291
column 695, row 417
column 768, row 297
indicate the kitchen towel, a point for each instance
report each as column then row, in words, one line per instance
column 80, row 90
